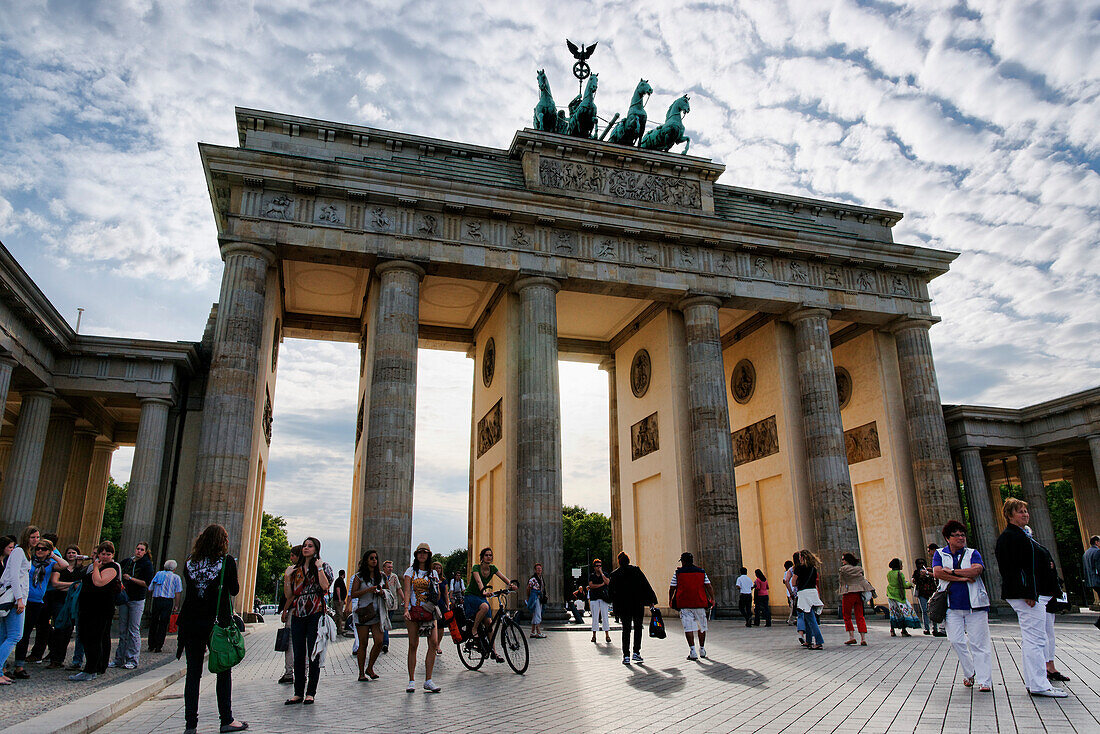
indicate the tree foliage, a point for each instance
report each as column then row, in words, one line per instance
column 113, row 510
column 274, row 556
column 456, row 560
column 586, row 535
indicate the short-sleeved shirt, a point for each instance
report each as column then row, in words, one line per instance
column 340, row 589
column 706, row 580
column 472, row 587
column 958, row 592
column 744, row 584
column 420, row 581
column 807, row 577
column 761, row 587
column 40, row 580
column 166, row 585
column 787, row 579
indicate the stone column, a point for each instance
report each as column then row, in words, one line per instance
column 141, row 500
column 76, row 487
column 1094, row 450
column 7, row 366
column 608, row 365
column 1085, row 476
column 1035, row 494
column 391, row 428
column 95, row 500
column 937, row 495
column 21, row 480
column 982, row 518
column 229, row 406
column 712, row 480
column 827, row 461
column 5, row 454
column 55, row 469
column 538, row 439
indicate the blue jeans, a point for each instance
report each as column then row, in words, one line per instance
column 813, row 631
column 129, row 632
column 78, row 648
column 11, row 631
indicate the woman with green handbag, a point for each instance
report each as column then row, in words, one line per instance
column 210, row 581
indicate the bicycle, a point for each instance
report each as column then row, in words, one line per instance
column 474, row 648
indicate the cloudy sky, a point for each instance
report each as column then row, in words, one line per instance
column 980, row 120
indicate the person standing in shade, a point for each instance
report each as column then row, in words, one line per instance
column 690, row 592
column 96, row 607
column 1090, row 563
column 853, row 585
column 896, row 584
column 599, row 600
column 744, row 598
column 958, row 570
column 760, row 592
column 209, row 573
column 371, row 615
column 167, row 590
column 285, row 615
column 36, row 618
column 631, row 593
column 420, row 615
column 305, row 586
column 924, row 583
column 393, row 583
column 536, row 594
column 339, row 600
column 805, row 580
column 16, row 575
column 1027, row 587
column 62, row 581
column 137, row 573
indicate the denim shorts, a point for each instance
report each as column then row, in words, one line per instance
column 470, row 604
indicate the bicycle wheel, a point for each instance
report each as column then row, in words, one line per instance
column 471, row 653
column 515, row 646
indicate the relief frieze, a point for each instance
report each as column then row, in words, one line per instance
column 861, row 443
column 648, row 187
column 644, row 439
column 489, row 430
column 755, row 441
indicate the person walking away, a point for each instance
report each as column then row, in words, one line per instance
column 896, row 584
column 339, row 601
column 805, row 580
column 598, row 599
column 96, row 609
column 285, row 615
column 63, row 581
column 209, row 572
column 536, row 597
column 690, row 592
column 853, row 585
column 372, row 614
column 167, row 591
column 792, row 590
column 1090, row 563
column 631, row 593
column 924, row 584
column 15, row 576
column 305, row 586
column 36, row 617
column 788, row 571
column 1027, row 587
column 744, row 599
column 475, row 604
column 137, row 573
column 420, row 615
column 761, row 600
column 958, row 570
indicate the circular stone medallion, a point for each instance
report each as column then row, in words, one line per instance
column 489, row 362
column 640, row 372
column 743, row 381
column 843, row 386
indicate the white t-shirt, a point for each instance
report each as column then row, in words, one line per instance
column 419, row 584
column 744, row 584
column 787, row 581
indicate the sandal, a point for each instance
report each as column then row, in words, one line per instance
column 373, row 676
column 968, row 682
column 292, row 701
column 850, row 642
column 985, row 689
column 863, row 642
column 363, row 677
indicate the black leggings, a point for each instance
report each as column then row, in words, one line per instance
column 195, row 649
column 762, row 610
column 632, row 617
column 35, row 617
column 95, row 635
column 303, row 631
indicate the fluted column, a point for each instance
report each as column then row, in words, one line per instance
column 7, row 366
column 538, row 439
column 386, row 505
column 5, row 454
column 21, row 480
column 1035, row 494
column 229, row 406
column 76, row 487
column 982, row 518
column 608, row 365
column 713, row 487
column 141, row 499
column 827, row 460
column 55, row 469
column 937, row 496
column 95, row 499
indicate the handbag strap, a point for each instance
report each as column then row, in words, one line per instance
column 221, row 580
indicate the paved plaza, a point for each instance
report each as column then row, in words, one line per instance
column 756, row 680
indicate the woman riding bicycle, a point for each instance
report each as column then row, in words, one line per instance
column 474, row 603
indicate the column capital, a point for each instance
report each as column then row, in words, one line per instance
column 607, row 364
column 41, row 392
column 236, row 247
column 530, row 281
column 90, row 432
column 389, row 265
column 1027, row 451
column 698, row 299
column 153, row 400
column 102, row 443
column 969, row 449
column 911, row 322
column 807, row 312
column 9, row 359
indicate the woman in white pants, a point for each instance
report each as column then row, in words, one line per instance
column 959, row 570
column 599, row 599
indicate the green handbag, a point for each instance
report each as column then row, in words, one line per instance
column 226, row 642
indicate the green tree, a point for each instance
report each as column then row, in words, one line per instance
column 274, row 556
column 586, row 535
column 453, row 561
column 113, row 510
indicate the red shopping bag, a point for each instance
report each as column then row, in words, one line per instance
column 172, row 623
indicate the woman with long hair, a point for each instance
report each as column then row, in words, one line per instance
column 96, row 608
column 896, row 584
column 536, row 592
column 761, row 600
column 305, row 585
column 444, row 603
column 853, row 584
column 420, row 615
column 368, row 588
column 805, row 579
column 208, row 573
column 16, row 575
column 475, row 603
column 36, row 617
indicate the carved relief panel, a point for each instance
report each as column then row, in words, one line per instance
column 489, row 429
column 644, row 439
column 755, row 441
column 861, row 443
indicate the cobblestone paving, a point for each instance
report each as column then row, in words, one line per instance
column 756, row 680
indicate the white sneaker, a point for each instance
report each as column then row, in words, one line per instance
column 411, row 688
column 1050, row 693
column 131, row 666
column 692, row 655
column 702, row 652
column 431, row 687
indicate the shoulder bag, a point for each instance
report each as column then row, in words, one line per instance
column 7, row 599
column 226, row 642
column 282, row 639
